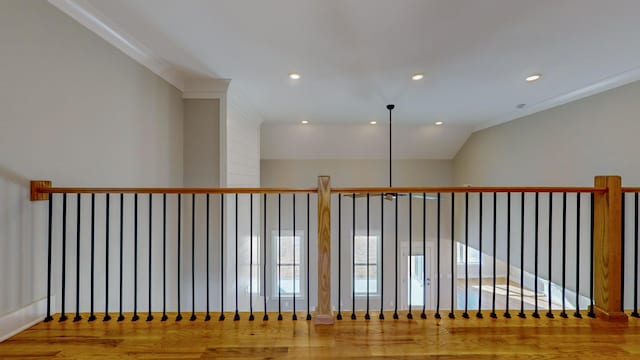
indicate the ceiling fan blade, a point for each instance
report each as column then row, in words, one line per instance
column 357, row 196
column 428, row 196
column 391, row 196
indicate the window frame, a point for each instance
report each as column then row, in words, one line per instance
column 378, row 274
column 300, row 275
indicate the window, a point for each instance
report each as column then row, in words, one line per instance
column 361, row 277
column 287, row 256
column 474, row 255
column 256, row 269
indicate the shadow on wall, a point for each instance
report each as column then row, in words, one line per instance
column 23, row 255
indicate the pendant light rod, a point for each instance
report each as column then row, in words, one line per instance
column 390, row 107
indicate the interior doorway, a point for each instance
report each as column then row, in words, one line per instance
column 416, row 275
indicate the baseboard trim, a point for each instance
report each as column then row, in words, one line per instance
column 22, row 319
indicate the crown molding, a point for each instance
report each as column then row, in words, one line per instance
column 85, row 14
column 201, row 88
column 592, row 89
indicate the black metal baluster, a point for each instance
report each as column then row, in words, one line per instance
column 381, row 316
column 564, row 253
column 521, row 314
column 135, row 260
column 536, row 258
column 78, row 317
column 207, row 317
column 635, row 260
column 63, row 316
column 577, row 312
column 466, row 255
column 479, row 313
column 107, row 317
column 293, row 239
column 236, row 316
column 179, row 316
column 308, row 263
column 279, row 258
column 395, row 311
column 367, row 316
column 549, row 313
column 437, row 314
column 92, row 316
column 49, row 246
column 222, row 239
column 508, row 295
column 251, row 317
column 149, row 315
column 423, row 315
column 409, row 315
column 339, row 316
column 622, row 249
column 495, row 239
column 193, row 258
column 164, row 258
column 120, row 314
column 353, row 264
column 452, row 314
column 591, row 312
column 264, row 258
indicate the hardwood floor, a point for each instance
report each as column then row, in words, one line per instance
column 360, row 339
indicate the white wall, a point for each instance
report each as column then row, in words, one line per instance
column 352, row 172
column 567, row 145
column 77, row 111
column 360, row 141
column 240, row 167
column 201, row 142
column 564, row 146
column 242, row 148
column 201, row 169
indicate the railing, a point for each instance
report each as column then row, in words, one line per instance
column 469, row 249
column 170, row 243
column 507, row 222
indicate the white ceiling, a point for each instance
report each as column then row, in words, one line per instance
column 355, row 56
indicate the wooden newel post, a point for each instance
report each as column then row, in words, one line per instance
column 607, row 249
column 324, row 313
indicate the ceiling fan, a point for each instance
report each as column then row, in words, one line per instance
column 392, row 195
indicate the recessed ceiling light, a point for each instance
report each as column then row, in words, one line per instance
column 294, row 76
column 373, row 122
column 418, row 76
column 438, row 123
column 533, row 77
column 304, row 122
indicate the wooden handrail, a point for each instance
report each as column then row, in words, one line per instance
column 176, row 190
column 77, row 190
column 631, row 189
column 40, row 190
column 527, row 189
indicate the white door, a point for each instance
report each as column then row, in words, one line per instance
column 416, row 278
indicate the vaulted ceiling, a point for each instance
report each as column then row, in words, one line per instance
column 355, row 56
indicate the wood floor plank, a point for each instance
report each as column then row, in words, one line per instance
column 360, row 339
